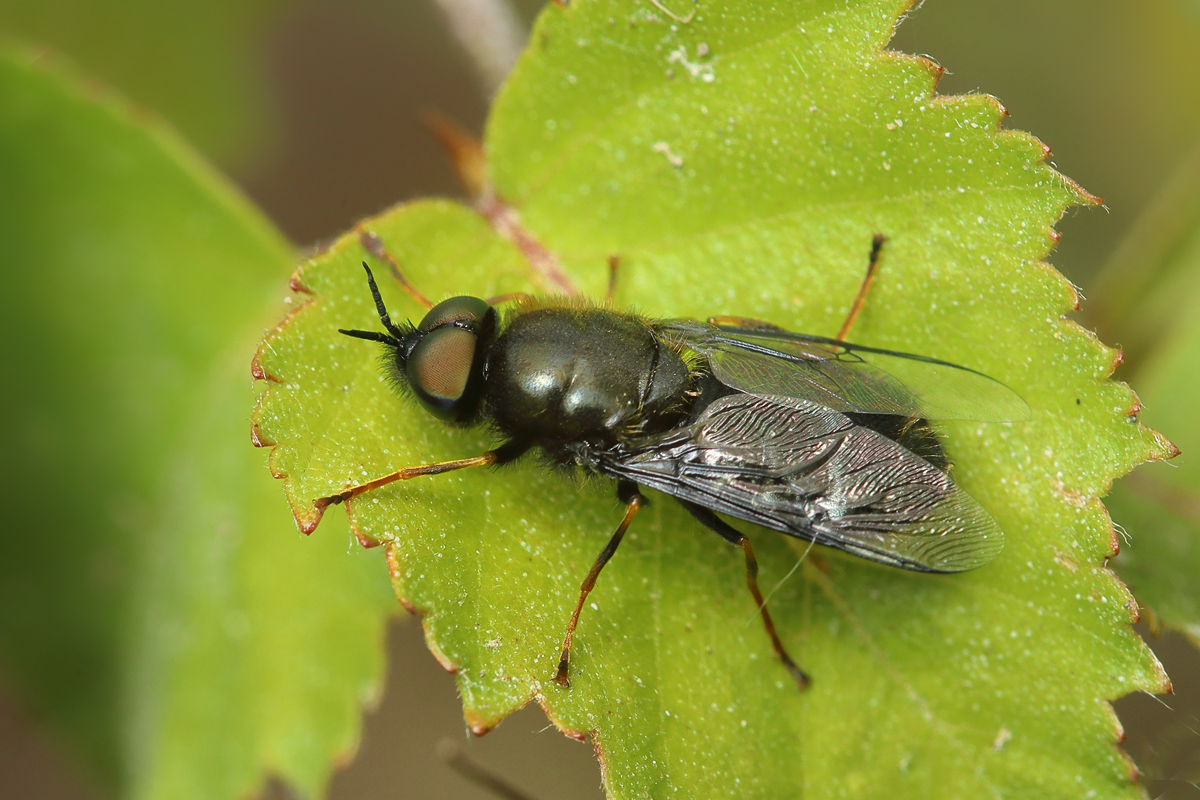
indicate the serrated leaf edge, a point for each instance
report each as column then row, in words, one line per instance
column 1157, row 447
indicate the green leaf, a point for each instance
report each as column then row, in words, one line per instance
column 155, row 602
column 1127, row 153
column 1160, row 507
column 739, row 162
column 204, row 56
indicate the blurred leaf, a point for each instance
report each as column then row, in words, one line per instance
column 198, row 63
column 1153, row 303
column 154, row 602
column 1154, row 266
column 739, row 163
column 1113, row 86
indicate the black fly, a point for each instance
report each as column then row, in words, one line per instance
column 813, row 437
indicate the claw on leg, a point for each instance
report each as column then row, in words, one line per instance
column 633, row 504
column 708, row 518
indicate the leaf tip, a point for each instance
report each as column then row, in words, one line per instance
column 1162, row 448
column 1164, row 681
column 296, row 284
column 1082, row 196
column 1118, row 732
column 1118, row 358
column 308, row 519
column 256, row 436
column 395, row 572
column 366, row 540
column 257, row 371
column 936, row 71
column 1114, row 550
column 452, row 668
column 1133, row 410
column 1135, row 612
column 477, row 724
column 567, row 730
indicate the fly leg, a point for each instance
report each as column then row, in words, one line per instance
column 521, row 297
column 485, row 460
column 613, row 263
column 374, row 245
column 501, row 455
column 857, row 305
column 633, row 501
column 710, row 520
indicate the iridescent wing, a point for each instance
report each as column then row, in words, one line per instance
column 846, row 377
column 808, row 471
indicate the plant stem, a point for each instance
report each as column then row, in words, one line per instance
column 491, row 33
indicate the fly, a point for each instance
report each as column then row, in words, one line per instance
column 816, row 438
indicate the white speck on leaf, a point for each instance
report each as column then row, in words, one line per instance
column 665, row 149
column 1003, row 736
column 694, row 68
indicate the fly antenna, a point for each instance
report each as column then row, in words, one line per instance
column 372, row 336
column 380, row 307
column 374, row 245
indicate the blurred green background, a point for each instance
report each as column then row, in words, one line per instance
column 313, row 107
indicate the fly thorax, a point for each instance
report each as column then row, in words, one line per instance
column 580, row 375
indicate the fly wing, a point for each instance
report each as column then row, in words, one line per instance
column 810, row 472
column 846, row 377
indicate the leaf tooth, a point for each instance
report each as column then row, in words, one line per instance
column 256, row 437
column 1119, row 735
column 256, row 368
column 296, row 283
column 306, row 519
column 395, row 571
column 450, row 666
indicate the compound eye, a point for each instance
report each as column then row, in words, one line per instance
column 439, row 368
column 466, row 311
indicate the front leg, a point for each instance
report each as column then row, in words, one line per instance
column 509, row 451
column 407, row 473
